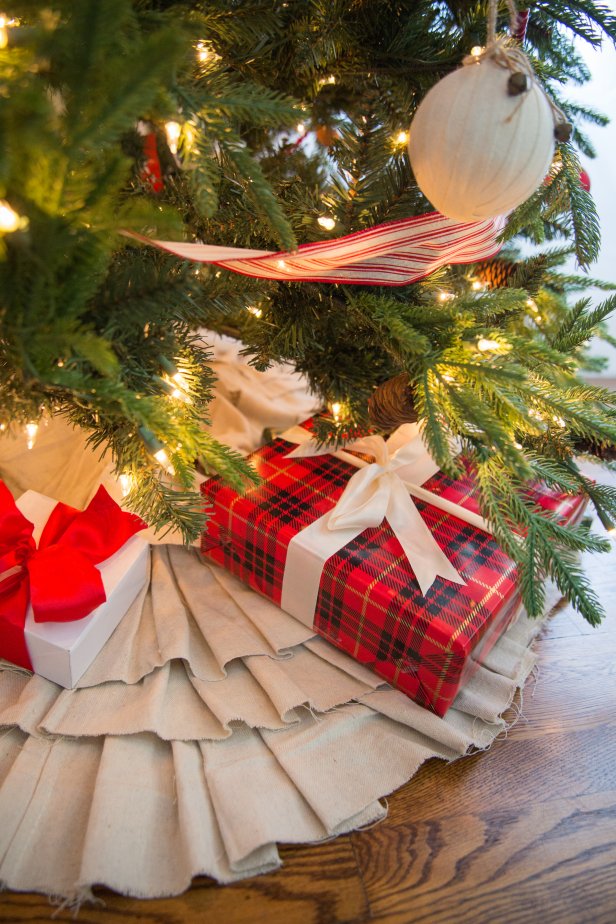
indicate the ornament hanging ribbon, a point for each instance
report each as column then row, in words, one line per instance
column 377, row 491
column 58, row 578
column 392, row 254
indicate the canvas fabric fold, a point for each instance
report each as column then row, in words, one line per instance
column 213, row 727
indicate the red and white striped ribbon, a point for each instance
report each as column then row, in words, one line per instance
column 392, row 254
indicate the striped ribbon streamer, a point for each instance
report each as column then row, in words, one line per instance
column 392, row 254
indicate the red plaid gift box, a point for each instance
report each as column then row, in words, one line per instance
column 369, row 602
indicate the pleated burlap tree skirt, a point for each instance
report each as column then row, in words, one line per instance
column 212, row 726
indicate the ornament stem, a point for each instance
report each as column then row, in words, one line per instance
column 492, row 13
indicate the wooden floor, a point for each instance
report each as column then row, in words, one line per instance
column 525, row 832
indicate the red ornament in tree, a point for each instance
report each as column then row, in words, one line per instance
column 585, row 180
column 151, row 171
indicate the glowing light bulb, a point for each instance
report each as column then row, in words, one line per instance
column 205, row 53
column 126, row 484
column 486, row 345
column 327, row 222
column 31, row 433
column 331, row 79
column 180, row 387
column 300, row 128
column 281, row 264
column 478, row 286
column 336, row 408
column 532, row 304
column 9, row 219
column 173, row 130
column 401, row 138
column 2, row 427
column 163, row 460
column 612, row 532
column 445, row 296
column 254, row 311
column 179, row 380
column 477, row 51
column 5, row 23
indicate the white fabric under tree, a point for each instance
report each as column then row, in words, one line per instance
column 212, row 726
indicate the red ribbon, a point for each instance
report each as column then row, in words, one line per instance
column 521, row 24
column 59, row 578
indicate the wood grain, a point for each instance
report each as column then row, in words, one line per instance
column 496, row 865
column 520, row 834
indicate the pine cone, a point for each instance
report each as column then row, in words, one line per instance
column 495, row 273
column 326, row 135
column 392, row 403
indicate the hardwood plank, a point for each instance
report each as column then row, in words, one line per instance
column 562, row 624
column 317, row 885
column 570, row 765
column 551, row 862
column 601, row 572
column 608, row 597
column 575, row 686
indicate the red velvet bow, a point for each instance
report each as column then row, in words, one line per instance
column 59, row 578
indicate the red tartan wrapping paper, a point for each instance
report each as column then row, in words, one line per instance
column 369, row 603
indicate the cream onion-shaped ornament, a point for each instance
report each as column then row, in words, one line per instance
column 482, row 140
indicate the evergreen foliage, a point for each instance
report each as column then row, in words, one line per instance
column 94, row 327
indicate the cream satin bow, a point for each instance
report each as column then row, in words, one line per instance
column 378, row 491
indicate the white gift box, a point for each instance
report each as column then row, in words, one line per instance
column 62, row 651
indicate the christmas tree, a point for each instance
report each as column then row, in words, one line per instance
column 265, row 125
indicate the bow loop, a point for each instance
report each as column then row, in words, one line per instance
column 378, row 491
column 372, row 446
column 15, row 530
column 364, row 501
column 53, row 597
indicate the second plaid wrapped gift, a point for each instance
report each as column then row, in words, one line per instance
column 416, row 589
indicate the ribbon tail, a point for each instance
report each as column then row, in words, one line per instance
column 425, row 556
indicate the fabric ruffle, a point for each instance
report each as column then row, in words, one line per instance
column 202, row 753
